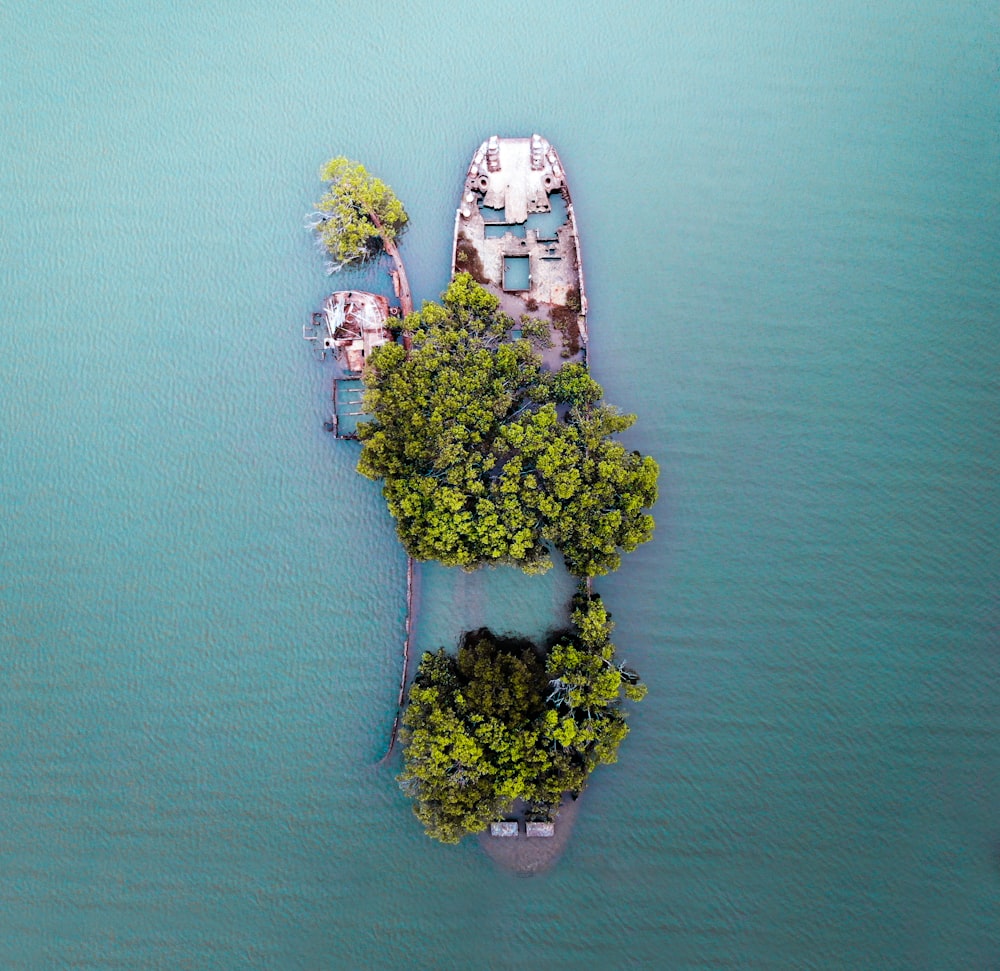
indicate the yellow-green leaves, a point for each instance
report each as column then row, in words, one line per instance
column 358, row 213
column 496, row 723
column 505, row 459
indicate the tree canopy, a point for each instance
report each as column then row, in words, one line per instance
column 487, row 458
column 359, row 214
column 503, row 721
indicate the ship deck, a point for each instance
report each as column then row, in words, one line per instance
column 516, row 234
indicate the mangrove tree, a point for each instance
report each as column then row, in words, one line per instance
column 504, row 720
column 487, row 458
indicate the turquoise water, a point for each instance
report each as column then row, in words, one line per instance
column 516, row 273
column 791, row 234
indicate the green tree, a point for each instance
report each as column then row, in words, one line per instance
column 486, row 458
column 359, row 218
column 499, row 722
column 467, row 734
column 587, row 687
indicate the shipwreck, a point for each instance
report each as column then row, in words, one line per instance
column 350, row 326
column 515, row 233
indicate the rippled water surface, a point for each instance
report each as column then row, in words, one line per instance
column 791, row 232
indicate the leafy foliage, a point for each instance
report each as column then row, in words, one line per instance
column 499, row 723
column 358, row 213
column 486, row 458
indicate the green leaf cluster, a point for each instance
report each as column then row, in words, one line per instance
column 358, row 213
column 500, row 722
column 487, row 458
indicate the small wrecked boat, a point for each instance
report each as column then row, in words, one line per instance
column 351, row 325
column 515, row 233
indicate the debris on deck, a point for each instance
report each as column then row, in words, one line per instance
column 350, row 325
column 508, row 828
column 539, row 829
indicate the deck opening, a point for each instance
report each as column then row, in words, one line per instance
column 493, row 215
column 495, row 231
column 516, row 273
column 546, row 224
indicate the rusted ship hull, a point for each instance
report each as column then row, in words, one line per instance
column 516, row 233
